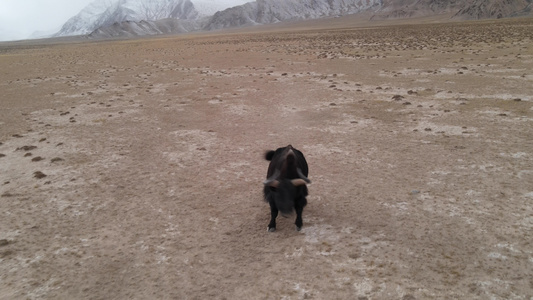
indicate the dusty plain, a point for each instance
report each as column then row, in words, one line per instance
column 133, row 169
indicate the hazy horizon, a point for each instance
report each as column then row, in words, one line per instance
column 20, row 19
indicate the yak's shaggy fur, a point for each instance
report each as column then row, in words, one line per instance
column 285, row 188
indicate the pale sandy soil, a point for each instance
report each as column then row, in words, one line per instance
column 419, row 141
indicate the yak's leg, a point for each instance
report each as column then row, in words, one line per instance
column 299, row 209
column 273, row 216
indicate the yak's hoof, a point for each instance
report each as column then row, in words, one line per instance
column 298, row 228
column 271, row 229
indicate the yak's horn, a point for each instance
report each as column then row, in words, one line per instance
column 298, row 182
column 273, row 183
column 273, row 180
column 302, row 176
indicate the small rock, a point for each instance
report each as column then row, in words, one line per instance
column 5, row 253
column 37, row 158
column 56, row 159
column 39, row 175
column 397, row 97
column 427, row 129
column 354, row 255
column 2, row 155
column 4, row 242
column 26, row 148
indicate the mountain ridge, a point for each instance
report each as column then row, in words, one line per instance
column 122, row 17
column 273, row 11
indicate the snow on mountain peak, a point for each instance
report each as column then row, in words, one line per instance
column 210, row 7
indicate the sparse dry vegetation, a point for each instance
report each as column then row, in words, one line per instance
column 144, row 178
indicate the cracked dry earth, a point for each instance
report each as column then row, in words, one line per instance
column 133, row 169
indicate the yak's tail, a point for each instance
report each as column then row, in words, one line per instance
column 269, row 155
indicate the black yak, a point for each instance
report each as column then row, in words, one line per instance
column 285, row 188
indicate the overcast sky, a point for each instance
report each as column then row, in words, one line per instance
column 21, row 18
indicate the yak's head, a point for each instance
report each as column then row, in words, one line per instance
column 287, row 182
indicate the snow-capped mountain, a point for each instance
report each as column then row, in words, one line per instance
column 104, row 13
column 101, row 13
column 273, row 11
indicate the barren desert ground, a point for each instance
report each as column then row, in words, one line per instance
column 133, row 169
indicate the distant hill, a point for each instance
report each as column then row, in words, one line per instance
column 494, row 9
column 141, row 28
column 274, row 11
